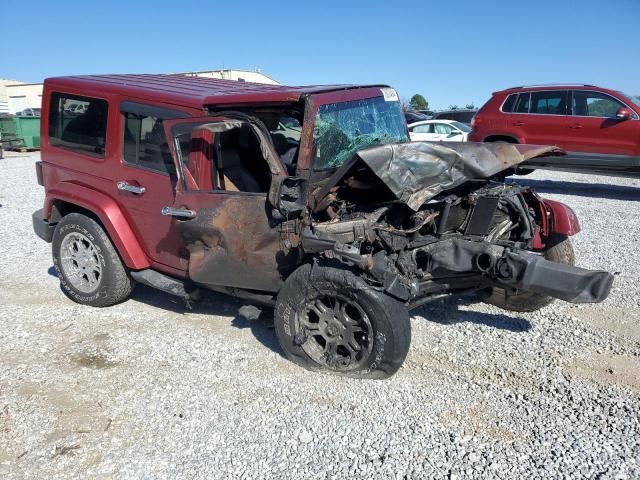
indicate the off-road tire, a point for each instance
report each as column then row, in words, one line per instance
column 389, row 319
column 560, row 252
column 115, row 285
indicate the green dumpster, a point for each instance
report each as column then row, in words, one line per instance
column 8, row 138
column 28, row 129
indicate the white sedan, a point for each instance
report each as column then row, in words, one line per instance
column 439, row 130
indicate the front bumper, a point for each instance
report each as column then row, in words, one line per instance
column 41, row 226
column 516, row 270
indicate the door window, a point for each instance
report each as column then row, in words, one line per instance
column 594, row 104
column 549, row 103
column 222, row 156
column 144, row 143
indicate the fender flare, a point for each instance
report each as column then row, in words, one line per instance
column 109, row 213
column 562, row 218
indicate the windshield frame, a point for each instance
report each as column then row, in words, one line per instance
column 312, row 104
column 380, row 97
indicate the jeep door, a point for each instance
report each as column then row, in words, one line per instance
column 225, row 168
column 145, row 181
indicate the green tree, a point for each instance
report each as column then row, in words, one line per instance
column 418, row 102
column 453, row 107
column 470, row 106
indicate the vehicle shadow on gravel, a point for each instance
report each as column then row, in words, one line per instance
column 594, row 190
column 447, row 312
column 258, row 319
column 245, row 315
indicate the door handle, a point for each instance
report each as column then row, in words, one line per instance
column 178, row 212
column 122, row 185
column 518, row 123
column 575, row 126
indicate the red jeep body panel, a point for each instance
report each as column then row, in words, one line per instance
column 90, row 182
column 109, row 214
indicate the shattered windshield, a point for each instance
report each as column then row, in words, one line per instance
column 343, row 128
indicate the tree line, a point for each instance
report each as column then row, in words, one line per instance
column 418, row 102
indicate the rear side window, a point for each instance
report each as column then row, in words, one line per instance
column 145, row 144
column 522, row 104
column 509, row 103
column 442, row 129
column 78, row 123
column 549, row 103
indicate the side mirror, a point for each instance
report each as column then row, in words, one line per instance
column 623, row 114
column 454, row 134
column 288, row 195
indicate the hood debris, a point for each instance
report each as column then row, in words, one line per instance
column 415, row 172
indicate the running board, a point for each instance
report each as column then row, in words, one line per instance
column 176, row 287
column 162, row 282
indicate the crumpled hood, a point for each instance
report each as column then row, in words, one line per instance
column 417, row 171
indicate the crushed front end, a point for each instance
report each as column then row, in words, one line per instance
column 420, row 220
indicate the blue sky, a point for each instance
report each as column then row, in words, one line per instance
column 452, row 52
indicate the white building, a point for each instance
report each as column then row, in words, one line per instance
column 16, row 96
column 254, row 76
column 24, row 95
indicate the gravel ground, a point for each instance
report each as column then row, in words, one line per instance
column 149, row 389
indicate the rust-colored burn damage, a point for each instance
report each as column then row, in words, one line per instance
column 234, row 244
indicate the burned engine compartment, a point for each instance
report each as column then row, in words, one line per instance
column 397, row 245
column 478, row 233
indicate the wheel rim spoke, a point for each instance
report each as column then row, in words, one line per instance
column 80, row 263
column 339, row 335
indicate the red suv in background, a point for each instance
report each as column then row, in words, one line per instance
column 598, row 127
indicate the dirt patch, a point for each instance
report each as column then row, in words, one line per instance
column 624, row 322
column 94, row 359
column 619, row 370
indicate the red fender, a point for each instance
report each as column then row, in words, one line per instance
column 109, row 213
column 562, row 220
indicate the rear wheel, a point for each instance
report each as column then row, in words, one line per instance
column 560, row 252
column 328, row 318
column 89, row 267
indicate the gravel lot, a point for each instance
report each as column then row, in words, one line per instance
column 149, row 389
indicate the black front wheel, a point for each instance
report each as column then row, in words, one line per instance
column 328, row 318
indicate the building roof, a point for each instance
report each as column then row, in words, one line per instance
column 192, row 91
column 224, row 71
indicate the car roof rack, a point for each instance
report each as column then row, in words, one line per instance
column 553, row 85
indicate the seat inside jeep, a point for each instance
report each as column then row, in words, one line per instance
column 231, row 161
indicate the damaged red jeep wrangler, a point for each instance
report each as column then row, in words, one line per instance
column 310, row 199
